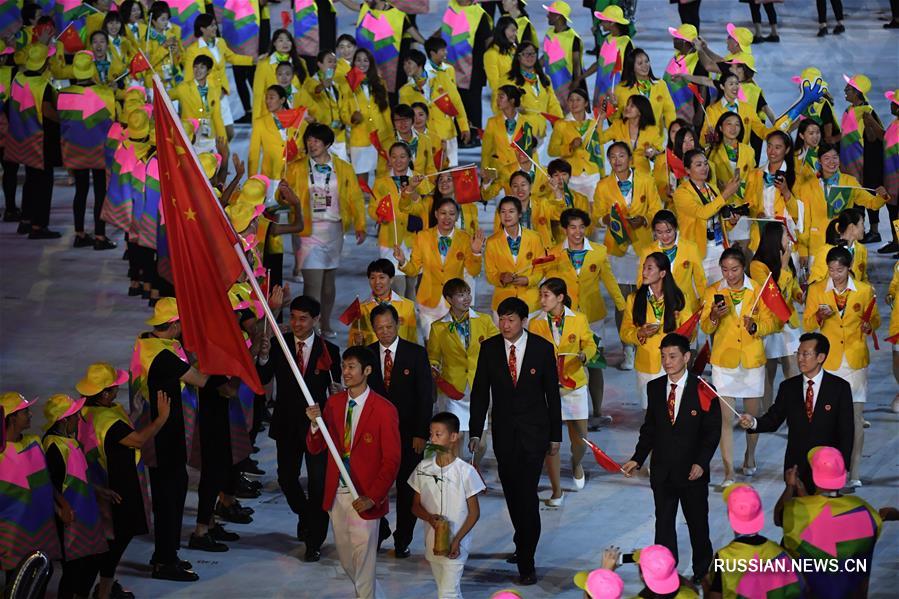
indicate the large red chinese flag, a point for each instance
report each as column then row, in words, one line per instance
column 466, row 185
column 775, row 300
column 70, row 40
column 138, row 64
column 201, row 244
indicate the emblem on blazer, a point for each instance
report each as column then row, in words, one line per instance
column 460, row 256
column 316, row 371
column 529, row 255
column 827, row 407
column 402, row 320
column 658, row 98
column 542, row 220
column 481, row 339
column 692, row 412
column 746, row 119
column 592, row 268
column 686, row 264
column 368, row 438
column 643, row 198
column 857, row 307
column 406, row 371
column 533, row 371
column 572, row 338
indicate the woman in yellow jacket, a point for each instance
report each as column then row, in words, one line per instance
column 509, row 257
column 508, row 134
column 729, row 157
column 163, row 46
column 367, row 111
column 381, row 274
column 537, row 211
column 686, row 264
column 398, row 185
column 637, row 78
column 499, row 55
column 120, row 45
column 728, row 101
column 805, row 151
column 637, row 128
column 574, row 345
column 696, row 204
column 827, row 193
column 283, row 49
column 440, row 253
column 269, row 136
column 453, row 349
column 838, row 306
column 582, row 266
column 769, row 190
column 655, row 309
column 325, row 90
column 538, row 95
column 846, row 230
column 568, row 142
column 737, row 323
column 422, row 206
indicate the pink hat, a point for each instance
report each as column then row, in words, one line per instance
column 659, row 570
column 828, row 468
column 744, row 509
column 892, row 96
column 604, row 584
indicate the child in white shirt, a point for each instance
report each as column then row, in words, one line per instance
column 447, row 486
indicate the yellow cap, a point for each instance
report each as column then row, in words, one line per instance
column 35, row 57
column 744, row 58
column 83, row 66
column 165, row 310
column 241, row 214
column 611, row 13
column 100, row 375
column 254, row 191
column 559, row 7
column 741, row 35
column 138, row 125
column 860, row 82
column 210, row 161
column 13, row 401
column 60, row 406
column 685, row 32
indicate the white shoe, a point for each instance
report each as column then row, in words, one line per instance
column 895, row 405
column 557, row 502
column 629, row 352
column 854, row 483
column 580, row 482
column 866, row 424
column 726, row 484
column 749, row 471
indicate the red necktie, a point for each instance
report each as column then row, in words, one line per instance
column 671, row 395
column 300, row 361
column 809, row 400
column 513, row 365
column 388, row 368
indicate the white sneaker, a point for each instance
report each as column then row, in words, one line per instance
column 854, row 483
column 629, row 352
column 580, row 482
column 557, row 502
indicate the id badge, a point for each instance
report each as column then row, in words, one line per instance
column 320, row 201
column 204, row 130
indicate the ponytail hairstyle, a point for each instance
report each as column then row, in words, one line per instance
column 799, row 143
column 671, row 293
column 770, row 250
column 557, row 287
column 835, row 228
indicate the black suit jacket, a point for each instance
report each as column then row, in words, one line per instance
column 529, row 413
column 832, row 420
column 692, row 439
column 289, row 416
column 411, row 387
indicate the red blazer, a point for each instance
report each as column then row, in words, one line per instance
column 375, row 453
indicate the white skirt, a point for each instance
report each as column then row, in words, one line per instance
column 452, row 151
column 321, row 250
column 782, row 344
column 710, row 264
column 575, row 403
column 857, row 379
column 364, row 159
column 339, row 149
column 739, row 382
column 227, row 117
column 625, row 267
column 585, row 184
column 643, row 379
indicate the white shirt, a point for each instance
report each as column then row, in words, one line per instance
column 747, row 284
column 678, row 391
column 213, row 49
column 392, row 349
column 816, row 386
column 520, row 346
column 768, row 193
column 307, row 350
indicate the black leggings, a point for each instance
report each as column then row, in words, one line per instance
column 689, row 13
column 757, row 13
column 837, row 10
column 79, row 206
column 10, row 183
column 109, row 561
column 142, row 264
column 78, row 576
column 243, row 80
column 37, row 193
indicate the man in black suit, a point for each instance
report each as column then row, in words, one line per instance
column 402, row 374
column 289, row 422
column 519, row 371
column 816, row 405
column 682, row 437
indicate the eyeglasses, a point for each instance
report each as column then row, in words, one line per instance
column 528, row 54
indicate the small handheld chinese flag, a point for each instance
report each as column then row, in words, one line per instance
column 775, row 300
column 894, row 339
column 291, row 151
column 291, row 118
column 438, row 158
column 689, row 327
column 602, row 458
column 702, row 359
column 71, row 41
column 466, row 185
column 446, row 105
column 363, row 184
column 564, row 380
column 866, row 317
column 354, row 78
column 540, row 260
column 385, row 210
column 376, row 142
column 696, row 93
column 706, row 395
column 324, row 361
column 675, row 165
column 552, row 118
column 138, row 64
column 352, row 313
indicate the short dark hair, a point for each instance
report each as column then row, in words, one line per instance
column 417, row 56
column 286, row 64
column 403, row 111
column 822, row 343
column 454, row 286
column 434, row 44
column 307, row 304
column 382, row 309
column 447, row 419
column 512, row 305
column 346, row 37
column 675, row 340
column 381, row 265
column 840, row 255
column 100, row 32
column 733, row 253
column 510, row 200
column 513, row 92
column 619, row 144
column 558, row 165
column 282, row 93
column 689, row 155
column 204, row 60
column 202, row 21
column 362, row 354
column 157, row 9
column 319, row 131
column 570, row 214
column 405, row 147
column 665, row 216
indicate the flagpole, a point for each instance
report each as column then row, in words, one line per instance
column 759, row 296
column 537, row 166
column 720, row 400
column 450, row 170
column 270, row 317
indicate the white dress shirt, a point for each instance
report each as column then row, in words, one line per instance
column 816, row 387
column 520, row 346
column 392, row 348
column 678, row 392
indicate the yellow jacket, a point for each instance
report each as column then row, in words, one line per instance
column 467, row 219
column 692, row 214
column 686, row 268
column 787, row 282
column 648, row 358
column 159, row 55
column 844, row 332
column 217, row 74
column 441, row 82
column 352, row 208
column 583, row 285
column 644, row 202
column 423, row 161
column 498, row 259
column 722, row 169
column 435, row 271
column 191, row 105
column 732, row 345
column 448, row 354
column 536, row 99
column 755, row 185
column 264, row 78
column 361, row 332
column 565, row 132
column 497, row 66
column 397, row 232
column 324, row 105
column 373, row 118
column 817, row 216
column 650, row 137
column 575, row 337
column 124, row 51
column 818, row 271
column 751, row 122
column 269, row 140
column 894, row 309
column 497, row 150
column 659, row 97
column 543, row 212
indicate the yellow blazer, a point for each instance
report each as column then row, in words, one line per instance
column 650, row 137
column 574, row 199
column 755, row 186
column 361, row 332
column 190, row 104
column 583, row 285
column 818, row 271
column 266, row 139
column 435, row 271
column 564, row 132
column 158, row 55
column 788, row 284
column 648, row 357
column 497, row 66
column 659, row 97
column 217, row 74
column 844, row 332
column 498, row 259
column 732, row 345
column 352, row 208
column 644, row 202
column 373, row 118
column 543, row 212
column 892, row 294
column 421, row 207
column 751, row 122
column 692, row 214
column 815, row 221
column 324, row 106
column 576, row 337
column 686, row 268
column 722, row 168
column 536, row 99
column 264, row 78
column 383, row 187
column 124, row 51
column 422, row 162
column 496, row 146
column 442, row 125
column 448, row 354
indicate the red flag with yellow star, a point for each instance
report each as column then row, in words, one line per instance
column 203, row 259
column 466, row 185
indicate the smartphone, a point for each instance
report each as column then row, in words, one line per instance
column 626, row 558
column 719, row 299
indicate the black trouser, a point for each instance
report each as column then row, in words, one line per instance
column 109, row 561
column 168, row 484
column 689, row 13
column 405, row 519
column 471, row 100
column 215, row 453
column 756, row 12
column 79, row 206
column 36, row 195
column 78, row 576
column 243, row 81
column 327, row 27
column 837, row 10
column 893, row 211
column 10, row 183
column 313, row 518
column 694, row 501
column 142, row 264
column 519, row 470
column 894, row 9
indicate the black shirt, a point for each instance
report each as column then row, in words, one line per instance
column 128, row 517
column 164, row 375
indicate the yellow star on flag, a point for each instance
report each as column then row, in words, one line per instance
column 190, row 214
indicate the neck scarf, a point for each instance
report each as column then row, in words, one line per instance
column 577, row 258
column 443, row 245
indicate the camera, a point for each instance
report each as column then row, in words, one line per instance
column 728, row 211
column 626, row 558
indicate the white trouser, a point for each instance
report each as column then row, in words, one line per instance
column 357, row 545
column 448, row 576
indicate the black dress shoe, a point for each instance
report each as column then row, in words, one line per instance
column 313, row 555
column 83, row 241
column 402, row 552
column 182, row 563
column 822, row 31
column 758, row 39
column 243, row 508
column 104, row 244
column 890, row 248
column 838, row 30
column 206, row 543
column 512, row 559
column 383, row 532
column 173, row 572
column 13, row 215
column 219, row 533
column 870, row 237
column 246, row 119
column 894, row 24
column 246, row 491
column 45, row 233
column 232, row 514
column 251, row 467
column 527, row 580
column 253, row 484
column 117, row 592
